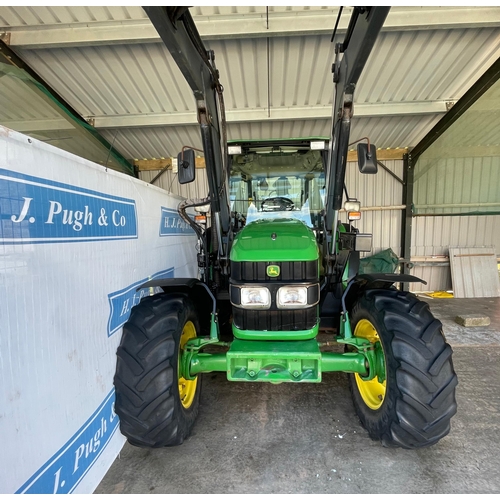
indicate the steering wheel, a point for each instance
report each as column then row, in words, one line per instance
column 277, row 204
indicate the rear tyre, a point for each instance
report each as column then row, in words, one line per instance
column 413, row 406
column 156, row 406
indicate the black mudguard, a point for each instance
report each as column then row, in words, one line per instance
column 362, row 282
column 198, row 291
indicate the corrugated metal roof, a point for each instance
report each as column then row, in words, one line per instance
column 40, row 15
column 142, row 79
column 427, row 65
column 17, row 103
column 22, row 16
column 153, row 142
column 478, row 127
column 111, row 80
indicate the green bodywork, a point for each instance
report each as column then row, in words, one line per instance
column 280, row 335
column 275, row 240
column 280, row 356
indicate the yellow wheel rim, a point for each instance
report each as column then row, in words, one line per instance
column 372, row 391
column 187, row 388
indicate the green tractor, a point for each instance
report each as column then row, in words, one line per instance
column 276, row 267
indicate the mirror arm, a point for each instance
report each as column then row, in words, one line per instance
column 369, row 154
column 362, row 139
column 182, row 154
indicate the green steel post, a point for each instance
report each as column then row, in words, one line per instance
column 345, row 326
column 214, row 327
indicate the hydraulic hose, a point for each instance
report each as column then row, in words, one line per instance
column 181, row 209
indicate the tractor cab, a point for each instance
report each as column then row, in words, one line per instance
column 278, row 181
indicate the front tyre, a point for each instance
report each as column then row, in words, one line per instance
column 410, row 405
column 157, row 407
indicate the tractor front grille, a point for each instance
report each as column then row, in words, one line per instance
column 275, row 321
column 251, row 272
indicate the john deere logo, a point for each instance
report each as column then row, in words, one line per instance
column 273, row 271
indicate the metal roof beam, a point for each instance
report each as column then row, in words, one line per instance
column 275, row 114
column 361, row 110
column 40, row 125
column 312, row 22
column 321, row 23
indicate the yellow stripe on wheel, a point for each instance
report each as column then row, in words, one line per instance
column 187, row 388
column 372, row 391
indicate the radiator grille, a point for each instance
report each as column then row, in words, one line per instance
column 250, row 272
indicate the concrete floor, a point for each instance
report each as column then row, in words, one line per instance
column 306, row 438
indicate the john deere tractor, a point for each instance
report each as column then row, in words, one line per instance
column 276, row 266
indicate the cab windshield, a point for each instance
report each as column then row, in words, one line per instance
column 270, row 184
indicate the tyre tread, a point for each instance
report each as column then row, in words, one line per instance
column 144, row 380
column 419, row 409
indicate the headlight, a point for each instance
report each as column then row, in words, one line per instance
column 256, row 297
column 292, row 297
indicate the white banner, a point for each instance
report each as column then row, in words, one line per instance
column 76, row 240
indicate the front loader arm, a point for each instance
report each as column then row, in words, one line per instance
column 363, row 29
column 178, row 32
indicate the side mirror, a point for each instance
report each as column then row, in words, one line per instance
column 186, row 166
column 367, row 160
